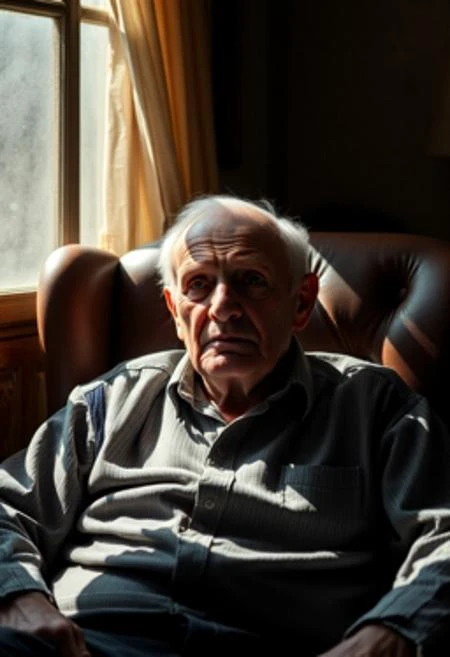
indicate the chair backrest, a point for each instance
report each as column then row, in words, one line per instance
column 383, row 297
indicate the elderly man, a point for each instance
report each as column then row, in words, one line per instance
column 237, row 496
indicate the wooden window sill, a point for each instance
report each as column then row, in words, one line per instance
column 17, row 313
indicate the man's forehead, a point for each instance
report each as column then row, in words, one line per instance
column 225, row 222
column 224, row 229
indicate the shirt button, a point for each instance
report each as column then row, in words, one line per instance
column 184, row 525
column 209, row 503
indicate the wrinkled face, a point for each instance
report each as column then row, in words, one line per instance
column 233, row 302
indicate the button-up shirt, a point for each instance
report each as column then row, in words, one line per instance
column 325, row 507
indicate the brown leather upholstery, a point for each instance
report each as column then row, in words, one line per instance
column 384, row 297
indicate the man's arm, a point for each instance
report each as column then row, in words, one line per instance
column 373, row 641
column 41, row 494
column 415, row 490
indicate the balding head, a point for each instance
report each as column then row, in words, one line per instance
column 229, row 211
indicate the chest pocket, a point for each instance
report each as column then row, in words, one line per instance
column 324, row 504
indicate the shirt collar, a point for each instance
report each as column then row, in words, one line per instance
column 183, row 384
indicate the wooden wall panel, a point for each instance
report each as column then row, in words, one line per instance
column 22, row 388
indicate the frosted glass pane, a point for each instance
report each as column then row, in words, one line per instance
column 28, row 146
column 94, row 51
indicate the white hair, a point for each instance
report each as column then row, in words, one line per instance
column 293, row 233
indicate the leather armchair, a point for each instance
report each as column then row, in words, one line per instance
column 383, row 297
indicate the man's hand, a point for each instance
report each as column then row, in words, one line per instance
column 33, row 613
column 373, row 641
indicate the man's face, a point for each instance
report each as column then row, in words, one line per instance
column 233, row 302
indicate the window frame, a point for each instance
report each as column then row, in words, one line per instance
column 19, row 307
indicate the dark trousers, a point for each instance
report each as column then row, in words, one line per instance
column 158, row 635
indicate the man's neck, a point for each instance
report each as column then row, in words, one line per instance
column 233, row 400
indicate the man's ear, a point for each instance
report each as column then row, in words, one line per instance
column 306, row 297
column 170, row 303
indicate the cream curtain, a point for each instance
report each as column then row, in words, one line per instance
column 160, row 139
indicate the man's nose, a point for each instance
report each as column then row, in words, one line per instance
column 224, row 303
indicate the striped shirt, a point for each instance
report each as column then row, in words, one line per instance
column 325, row 507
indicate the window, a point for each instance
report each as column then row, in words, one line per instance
column 53, row 63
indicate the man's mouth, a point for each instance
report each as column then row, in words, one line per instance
column 232, row 343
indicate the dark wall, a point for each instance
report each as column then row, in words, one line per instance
column 330, row 109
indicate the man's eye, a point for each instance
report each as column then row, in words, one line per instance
column 197, row 288
column 254, row 279
column 253, row 284
column 197, row 284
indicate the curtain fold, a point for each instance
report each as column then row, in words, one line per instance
column 183, row 28
column 160, row 137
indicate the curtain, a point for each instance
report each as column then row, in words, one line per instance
column 160, row 137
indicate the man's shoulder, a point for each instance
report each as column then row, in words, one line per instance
column 340, row 368
column 161, row 363
column 165, row 361
column 357, row 383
